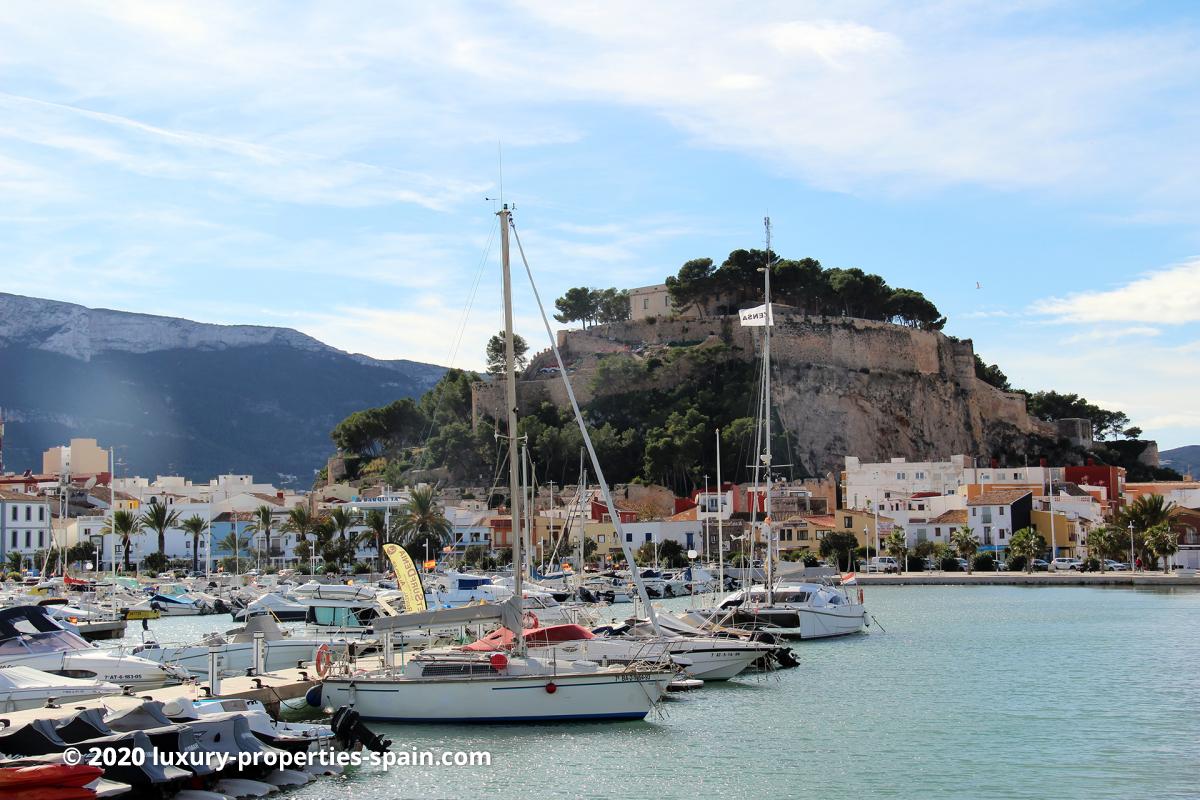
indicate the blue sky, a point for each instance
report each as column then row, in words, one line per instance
column 325, row 166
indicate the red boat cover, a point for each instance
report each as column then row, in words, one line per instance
column 502, row 638
column 44, row 775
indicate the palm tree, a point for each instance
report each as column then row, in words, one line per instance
column 1103, row 543
column 376, row 533
column 300, row 522
column 158, row 519
column 1163, row 543
column 1028, row 544
column 421, row 514
column 1145, row 513
column 261, row 523
column 896, row 543
column 236, row 544
column 196, row 527
column 123, row 524
column 966, row 544
column 341, row 521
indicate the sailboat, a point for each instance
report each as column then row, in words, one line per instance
column 804, row 610
column 496, row 687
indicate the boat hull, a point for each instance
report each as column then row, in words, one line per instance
column 548, row 698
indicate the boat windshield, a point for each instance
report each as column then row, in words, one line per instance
column 41, row 643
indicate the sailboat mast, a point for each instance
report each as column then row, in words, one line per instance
column 510, row 389
column 767, row 522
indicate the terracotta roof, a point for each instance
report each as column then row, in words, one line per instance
column 957, row 516
column 999, row 497
column 685, row 515
column 270, row 498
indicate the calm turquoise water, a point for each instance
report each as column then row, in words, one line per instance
column 984, row 692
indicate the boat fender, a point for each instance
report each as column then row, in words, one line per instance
column 324, row 660
column 498, row 661
column 313, row 696
column 551, row 688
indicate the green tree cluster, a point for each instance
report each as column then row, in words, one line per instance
column 592, row 306
column 802, row 283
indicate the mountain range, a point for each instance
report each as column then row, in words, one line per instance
column 182, row 397
column 1185, row 460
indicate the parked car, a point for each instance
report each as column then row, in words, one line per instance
column 932, row 564
column 962, row 564
column 883, row 564
column 1040, row 565
column 1066, row 564
column 1002, row 566
column 1115, row 566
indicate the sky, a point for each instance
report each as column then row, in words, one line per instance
column 1032, row 167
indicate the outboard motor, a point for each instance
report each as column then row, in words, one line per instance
column 348, row 728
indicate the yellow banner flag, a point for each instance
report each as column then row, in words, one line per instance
column 408, row 580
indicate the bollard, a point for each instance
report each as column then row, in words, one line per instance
column 214, row 670
column 259, row 664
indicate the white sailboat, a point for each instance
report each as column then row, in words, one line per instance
column 495, row 687
column 800, row 610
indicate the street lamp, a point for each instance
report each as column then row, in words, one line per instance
column 1131, row 546
column 866, row 548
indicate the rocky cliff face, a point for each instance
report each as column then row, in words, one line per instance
column 841, row 386
column 182, row 396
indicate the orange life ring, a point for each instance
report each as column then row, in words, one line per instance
column 324, row 660
column 530, row 620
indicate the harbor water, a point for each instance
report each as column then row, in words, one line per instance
column 982, row 692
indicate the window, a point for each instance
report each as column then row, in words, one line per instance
column 14, row 513
column 28, row 513
column 629, row 537
column 974, row 512
column 1001, row 534
column 1016, row 476
column 803, row 536
column 848, row 522
column 1002, row 511
column 600, row 539
column 649, row 536
column 645, row 303
column 899, row 476
column 28, row 538
column 41, row 513
column 937, row 531
column 14, row 538
column 41, row 538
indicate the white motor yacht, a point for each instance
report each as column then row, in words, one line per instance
column 25, row 687
column 795, row 610
column 30, row 637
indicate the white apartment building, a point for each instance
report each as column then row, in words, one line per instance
column 864, row 483
column 25, row 524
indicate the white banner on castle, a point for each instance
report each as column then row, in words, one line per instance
column 756, row 317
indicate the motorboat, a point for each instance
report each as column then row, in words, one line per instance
column 25, row 687
column 333, row 591
column 464, row 686
column 794, row 610
column 30, row 637
column 453, row 588
column 235, row 650
column 274, row 605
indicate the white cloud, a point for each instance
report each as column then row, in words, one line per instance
column 1169, row 296
column 1111, row 334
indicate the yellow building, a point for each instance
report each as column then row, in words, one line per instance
column 1067, row 533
